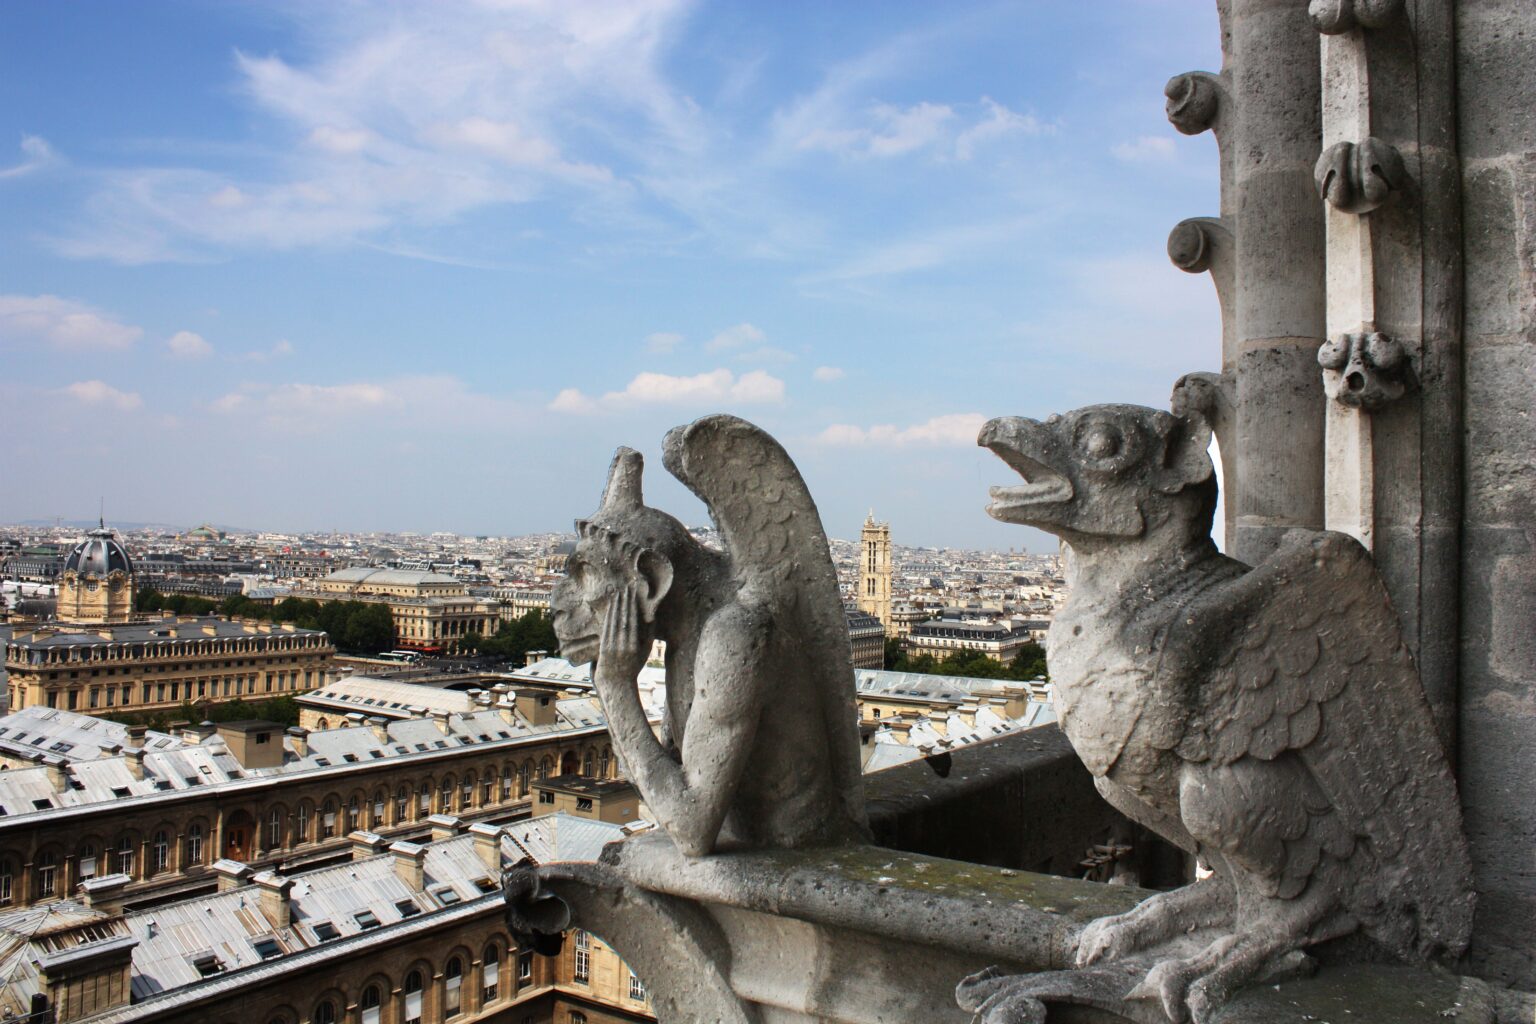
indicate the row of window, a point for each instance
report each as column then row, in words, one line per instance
column 410, row 1001
column 310, row 823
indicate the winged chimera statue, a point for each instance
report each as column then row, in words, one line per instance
column 759, row 746
column 1267, row 719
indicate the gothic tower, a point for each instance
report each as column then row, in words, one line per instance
column 875, row 571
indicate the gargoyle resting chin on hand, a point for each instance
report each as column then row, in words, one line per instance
column 761, row 620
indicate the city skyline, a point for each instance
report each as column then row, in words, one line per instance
column 289, row 267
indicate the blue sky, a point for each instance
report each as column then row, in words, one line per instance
column 423, row 266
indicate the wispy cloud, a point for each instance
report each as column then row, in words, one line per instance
column 752, row 388
column 1145, row 149
column 416, row 404
column 36, row 154
column 280, row 349
column 828, row 374
column 188, row 345
column 62, row 324
column 412, row 116
column 958, row 428
column 735, row 337
column 662, row 342
column 96, row 392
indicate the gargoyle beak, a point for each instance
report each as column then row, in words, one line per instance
column 1023, row 444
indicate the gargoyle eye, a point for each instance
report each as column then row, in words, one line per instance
column 1101, row 441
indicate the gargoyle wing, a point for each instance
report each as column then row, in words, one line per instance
column 779, row 555
column 1305, row 655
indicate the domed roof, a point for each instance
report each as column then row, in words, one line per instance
column 99, row 555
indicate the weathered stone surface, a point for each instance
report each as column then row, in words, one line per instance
column 1267, row 719
column 760, row 741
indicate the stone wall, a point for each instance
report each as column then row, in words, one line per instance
column 1496, row 106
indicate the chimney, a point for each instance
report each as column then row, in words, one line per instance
column 488, row 845
column 367, row 844
column 354, row 718
column 410, row 861
column 380, row 727
column 210, row 631
column 136, row 734
column 300, row 737
column 58, row 774
column 104, row 892
column 272, row 898
column 441, row 718
column 533, row 657
column 537, row 706
column 444, row 826
column 133, row 759
column 232, row 874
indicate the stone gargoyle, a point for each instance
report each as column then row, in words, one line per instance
column 1267, row 719
column 759, row 746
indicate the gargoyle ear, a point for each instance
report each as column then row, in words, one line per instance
column 1186, row 454
column 655, row 573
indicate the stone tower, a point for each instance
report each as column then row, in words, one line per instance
column 875, row 570
column 97, row 582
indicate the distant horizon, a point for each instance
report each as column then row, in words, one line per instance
column 131, row 525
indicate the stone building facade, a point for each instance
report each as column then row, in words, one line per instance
column 163, row 810
column 144, row 666
column 943, row 638
column 96, row 583
column 431, row 612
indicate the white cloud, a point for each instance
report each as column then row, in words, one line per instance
column 62, row 324
column 751, row 388
column 36, row 154
column 96, row 392
column 282, row 348
column 662, row 342
column 1145, row 150
column 188, row 345
column 892, row 131
column 828, row 374
column 735, row 337
column 958, row 428
column 999, row 123
column 414, row 404
column 411, row 117
column 766, row 354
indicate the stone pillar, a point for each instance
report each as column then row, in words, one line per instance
column 1495, row 50
column 1392, row 365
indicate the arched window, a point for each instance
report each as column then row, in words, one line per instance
column 328, row 818
column 506, row 783
column 302, row 825
column 370, row 1006
column 424, row 799
column 88, row 854
column 47, row 874
column 194, row 843
column 577, row 1017
column 487, row 788
column 402, row 803
column 411, row 992
column 354, row 815
column 325, row 1013
column 453, row 982
column 445, row 799
column 7, row 881
column 490, row 975
column 582, row 970
column 380, row 798
column 159, row 852
column 467, row 791
column 546, row 765
column 604, row 759
column 588, row 762
column 523, row 775
column 274, row 829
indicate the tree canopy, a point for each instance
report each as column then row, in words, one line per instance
column 355, row 627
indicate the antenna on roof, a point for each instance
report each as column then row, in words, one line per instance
column 103, row 517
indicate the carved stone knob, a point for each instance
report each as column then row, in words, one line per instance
column 1359, row 177
column 1189, row 247
column 1365, row 370
column 1331, row 17
column 1194, row 98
